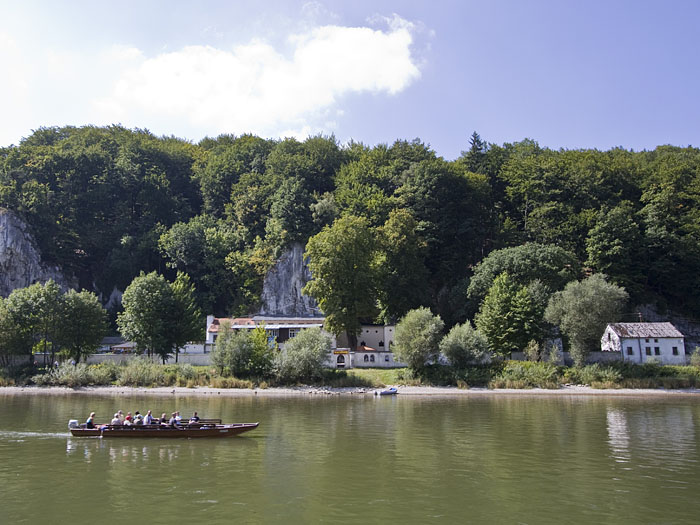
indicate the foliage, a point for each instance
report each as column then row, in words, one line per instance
column 417, row 338
column 463, row 345
column 343, row 277
column 84, row 324
column 244, row 353
column 303, row 357
column 524, row 374
column 695, row 357
column 582, row 311
column 592, row 375
column 510, row 315
column 141, row 371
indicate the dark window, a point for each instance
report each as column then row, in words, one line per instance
column 646, row 340
column 381, row 343
column 371, row 358
column 675, row 350
column 657, row 351
column 629, row 350
column 656, row 340
column 386, row 358
column 648, row 349
column 366, row 358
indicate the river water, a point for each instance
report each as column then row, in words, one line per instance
column 359, row 459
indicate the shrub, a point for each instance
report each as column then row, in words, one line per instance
column 417, row 337
column 141, row 372
column 518, row 374
column 464, row 345
column 303, row 357
column 230, row 382
column 695, row 357
column 593, row 374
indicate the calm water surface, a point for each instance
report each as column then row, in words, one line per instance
column 331, row 459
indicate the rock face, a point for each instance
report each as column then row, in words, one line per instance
column 281, row 294
column 20, row 260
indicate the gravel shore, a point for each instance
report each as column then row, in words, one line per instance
column 568, row 390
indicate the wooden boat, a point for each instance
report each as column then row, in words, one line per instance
column 204, row 428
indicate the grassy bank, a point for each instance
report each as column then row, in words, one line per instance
column 508, row 374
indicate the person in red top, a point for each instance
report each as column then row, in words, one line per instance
column 128, row 420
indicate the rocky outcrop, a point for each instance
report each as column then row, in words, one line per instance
column 282, row 287
column 20, row 260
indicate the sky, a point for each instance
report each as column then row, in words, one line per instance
column 568, row 74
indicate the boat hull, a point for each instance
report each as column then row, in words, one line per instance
column 206, row 431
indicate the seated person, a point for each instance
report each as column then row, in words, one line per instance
column 148, row 420
column 164, row 419
column 138, row 419
column 194, row 418
column 129, row 419
column 90, row 423
column 173, row 421
column 115, row 420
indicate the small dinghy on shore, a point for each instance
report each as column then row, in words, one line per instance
column 389, row 392
column 211, row 428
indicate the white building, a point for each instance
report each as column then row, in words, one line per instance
column 373, row 350
column 642, row 342
column 281, row 329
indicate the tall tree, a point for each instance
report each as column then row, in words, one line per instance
column 186, row 317
column 343, row 276
column 582, row 310
column 83, row 324
column 417, row 338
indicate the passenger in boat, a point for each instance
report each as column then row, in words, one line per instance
column 129, row 419
column 138, row 419
column 164, row 420
column 115, row 420
column 148, row 420
column 173, row 420
column 194, row 418
column 177, row 416
column 90, row 423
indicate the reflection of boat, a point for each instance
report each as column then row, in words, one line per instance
column 206, row 428
column 389, row 392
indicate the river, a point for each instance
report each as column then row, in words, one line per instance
column 359, row 459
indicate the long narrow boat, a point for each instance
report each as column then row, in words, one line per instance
column 186, row 430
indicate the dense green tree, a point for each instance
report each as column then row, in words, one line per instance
column 304, row 356
column 343, row 275
column 552, row 265
column 511, row 315
column 246, row 353
column 402, row 277
column 15, row 337
column 83, row 324
column 582, row 310
column 417, row 338
column 148, row 304
column 187, row 319
column 464, row 346
column 615, row 248
column 291, row 206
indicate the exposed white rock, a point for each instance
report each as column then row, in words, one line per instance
column 20, row 260
column 282, row 287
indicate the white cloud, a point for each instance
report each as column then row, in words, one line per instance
column 257, row 88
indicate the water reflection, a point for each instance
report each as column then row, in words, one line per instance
column 618, row 434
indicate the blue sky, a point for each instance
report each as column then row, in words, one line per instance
column 567, row 74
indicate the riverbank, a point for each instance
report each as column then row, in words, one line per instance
column 568, row 390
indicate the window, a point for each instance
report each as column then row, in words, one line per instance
column 381, row 343
column 648, row 349
column 646, row 340
column 675, row 350
column 386, row 358
column 656, row 340
column 366, row 358
column 629, row 350
column 657, row 350
column 293, row 332
column 371, row 359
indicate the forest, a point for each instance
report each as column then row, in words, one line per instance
column 107, row 203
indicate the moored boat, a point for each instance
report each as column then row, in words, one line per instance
column 186, row 430
column 389, row 392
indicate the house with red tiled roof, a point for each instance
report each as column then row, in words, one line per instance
column 280, row 328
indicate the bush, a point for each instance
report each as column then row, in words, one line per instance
column 593, row 374
column 303, row 357
column 230, row 382
column 464, row 345
column 141, row 372
column 525, row 374
column 695, row 357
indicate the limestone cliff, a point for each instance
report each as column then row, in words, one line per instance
column 20, row 260
column 282, row 287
